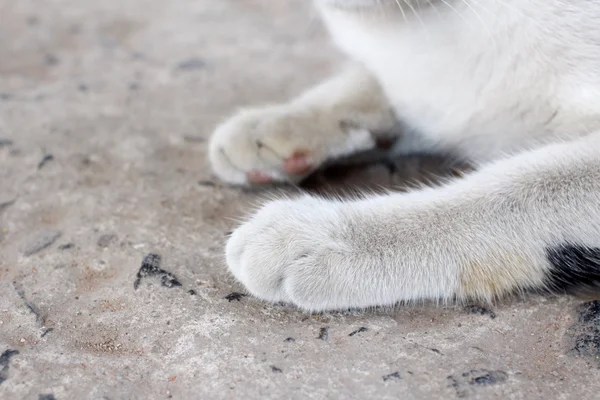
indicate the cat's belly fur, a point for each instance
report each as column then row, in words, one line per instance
column 489, row 88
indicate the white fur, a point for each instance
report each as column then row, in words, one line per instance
column 482, row 78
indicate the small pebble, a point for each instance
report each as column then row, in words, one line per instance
column 235, row 296
column 359, row 330
column 191, row 64
column 395, row 376
column 45, row 160
column 323, row 334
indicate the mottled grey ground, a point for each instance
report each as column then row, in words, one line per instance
column 105, row 107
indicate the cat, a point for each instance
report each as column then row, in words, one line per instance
column 512, row 86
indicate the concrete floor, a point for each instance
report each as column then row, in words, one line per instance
column 105, row 107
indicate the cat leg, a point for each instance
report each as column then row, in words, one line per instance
column 286, row 142
column 529, row 221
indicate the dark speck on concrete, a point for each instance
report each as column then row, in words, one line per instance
column 41, row 241
column 585, row 333
column 475, row 378
column 323, row 334
column 485, row 377
column 5, row 142
column 4, row 363
column 436, row 351
column 394, row 376
column 235, row 296
column 46, row 331
column 151, row 267
column 45, row 160
column 276, row 370
column 39, row 316
column 46, row 397
column 192, row 292
column 106, row 240
column 191, row 64
column 83, row 87
column 290, row 340
column 66, row 246
column 359, row 330
column 5, row 204
column 457, row 385
column 474, row 309
column 134, row 86
column 207, row 183
column 5, row 96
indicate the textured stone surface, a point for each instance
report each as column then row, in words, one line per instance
column 123, row 95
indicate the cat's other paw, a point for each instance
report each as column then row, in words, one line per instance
column 297, row 251
column 281, row 144
column 331, row 254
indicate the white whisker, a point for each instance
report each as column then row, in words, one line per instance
column 455, row 10
column 435, row 9
column 402, row 11
column 407, row 2
column 478, row 17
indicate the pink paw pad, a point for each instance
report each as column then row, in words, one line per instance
column 259, row 177
column 298, row 164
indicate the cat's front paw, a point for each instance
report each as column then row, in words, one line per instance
column 296, row 251
column 281, row 144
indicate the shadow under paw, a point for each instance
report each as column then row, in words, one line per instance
column 377, row 171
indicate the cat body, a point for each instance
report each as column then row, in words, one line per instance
column 485, row 79
column 512, row 86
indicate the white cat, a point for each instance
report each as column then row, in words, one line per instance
column 511, row 85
